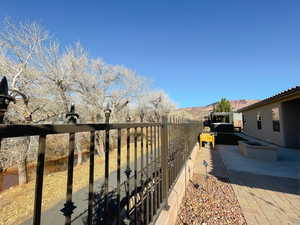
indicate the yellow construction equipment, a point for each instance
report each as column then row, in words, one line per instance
column 207, row 137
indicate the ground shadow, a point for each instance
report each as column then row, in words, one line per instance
column 274, row 183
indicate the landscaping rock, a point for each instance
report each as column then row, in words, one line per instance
column 210, row 201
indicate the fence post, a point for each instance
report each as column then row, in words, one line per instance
column 5, row 98
column 69, row 206
column 164, row 160
column 39, row 181
column 107, row 113
column 91, row 178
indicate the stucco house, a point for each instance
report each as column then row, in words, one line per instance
column 275, row 119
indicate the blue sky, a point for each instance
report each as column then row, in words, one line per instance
column 197, row 51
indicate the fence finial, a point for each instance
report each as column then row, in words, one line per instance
column 5, row 98
column 72, row 116
column 128, row 118
column 107, row 113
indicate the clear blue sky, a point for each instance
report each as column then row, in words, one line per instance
column 197, row 51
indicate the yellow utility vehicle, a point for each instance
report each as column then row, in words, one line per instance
column 207, row 136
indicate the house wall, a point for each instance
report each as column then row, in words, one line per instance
column 291, row 123
column 266, row 133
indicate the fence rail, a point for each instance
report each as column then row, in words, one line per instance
column 142, row 186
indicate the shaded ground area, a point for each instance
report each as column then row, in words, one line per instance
column 16, row 203
column 53, row 215
column 287, row 165
column 209, row 201
column 228, row 139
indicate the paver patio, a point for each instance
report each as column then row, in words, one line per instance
column 265, row 199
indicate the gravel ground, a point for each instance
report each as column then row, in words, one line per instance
column 209, row 201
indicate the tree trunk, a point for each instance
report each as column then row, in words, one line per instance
column 22, row 161
column 1, row 181
column 79, row 149
column 79, row 156
column 22, row 171
column 1, row 168
column 63, row 96
column 99, row 144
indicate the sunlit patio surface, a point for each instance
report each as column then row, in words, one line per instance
column 268, row 192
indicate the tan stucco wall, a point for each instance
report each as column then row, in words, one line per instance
column 266, row 133
column 169, row 217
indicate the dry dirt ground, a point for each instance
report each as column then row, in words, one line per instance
column 16, row 203
column 209, row 201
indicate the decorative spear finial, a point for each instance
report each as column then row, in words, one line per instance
column 5, row 98
column 107, row 113
column 72, row 116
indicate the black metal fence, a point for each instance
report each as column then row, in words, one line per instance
column 140, row 189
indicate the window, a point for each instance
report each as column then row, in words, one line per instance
column 275, row 118
column 259, row 119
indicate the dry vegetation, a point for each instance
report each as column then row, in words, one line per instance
column 45, row 78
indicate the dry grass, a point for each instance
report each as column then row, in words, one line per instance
column 16, row 203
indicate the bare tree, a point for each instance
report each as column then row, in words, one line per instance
column 18, row 44
column 153, row 105
column 45, row 78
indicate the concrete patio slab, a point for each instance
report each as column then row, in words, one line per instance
column 287, row 165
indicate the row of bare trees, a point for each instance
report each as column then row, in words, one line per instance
column 45, row 78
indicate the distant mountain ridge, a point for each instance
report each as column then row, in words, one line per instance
column 199, row 112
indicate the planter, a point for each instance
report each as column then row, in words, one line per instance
column 258, row 151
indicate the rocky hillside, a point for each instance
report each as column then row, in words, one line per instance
column 200, row 111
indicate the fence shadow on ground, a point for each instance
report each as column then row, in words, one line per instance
column 123, row 209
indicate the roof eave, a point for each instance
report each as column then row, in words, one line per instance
column 279, row 97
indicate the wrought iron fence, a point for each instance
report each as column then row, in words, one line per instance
column 140, row 189
column 137, row 199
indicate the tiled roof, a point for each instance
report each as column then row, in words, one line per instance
column 281, row 95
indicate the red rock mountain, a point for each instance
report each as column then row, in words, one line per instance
column 200, row 111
